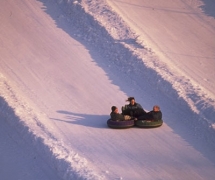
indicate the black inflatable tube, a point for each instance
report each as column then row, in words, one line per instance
column 148, row 123
column 120, row 124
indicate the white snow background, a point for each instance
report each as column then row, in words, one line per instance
column 64, row 64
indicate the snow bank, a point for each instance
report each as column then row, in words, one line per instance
column 24, row 120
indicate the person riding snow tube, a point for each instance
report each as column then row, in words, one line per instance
column 118, row 120
column 133, row 109
column 150, row 119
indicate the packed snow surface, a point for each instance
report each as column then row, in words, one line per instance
column 64, row 63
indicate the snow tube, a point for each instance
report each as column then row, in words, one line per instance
column 120, row 124
column 148, row 123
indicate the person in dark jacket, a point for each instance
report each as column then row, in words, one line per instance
column 155, row 114
column 116, row 116
column 133, row 109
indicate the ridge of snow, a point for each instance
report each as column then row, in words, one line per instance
column 199, row 99
column 23, row 119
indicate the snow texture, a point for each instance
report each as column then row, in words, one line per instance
column 64, row 63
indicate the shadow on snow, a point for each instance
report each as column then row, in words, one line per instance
column 88, row 120
column 208, row 7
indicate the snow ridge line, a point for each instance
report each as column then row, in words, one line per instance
column 22, row 119
column 199, row 99
column 95, row 23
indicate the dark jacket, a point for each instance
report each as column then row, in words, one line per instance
column 152, row 115
column 134, row 107
column 135, row 110
column 116, row 116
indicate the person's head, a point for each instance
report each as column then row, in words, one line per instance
column 156, row 108
column 131, row 100
column 114, row 109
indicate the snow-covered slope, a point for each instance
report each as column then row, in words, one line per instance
column 65, row 63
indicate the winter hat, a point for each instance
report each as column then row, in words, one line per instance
column 113, row 108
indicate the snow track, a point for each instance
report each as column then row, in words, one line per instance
column 130, row 66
